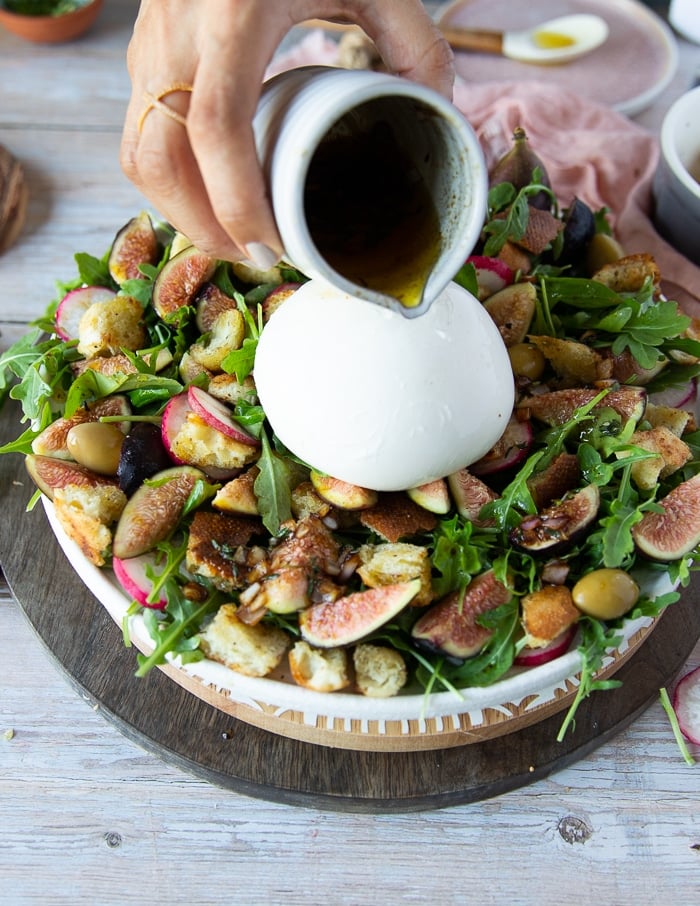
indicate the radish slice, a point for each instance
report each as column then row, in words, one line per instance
column 492, row 274
column 133, row 578
column 217, row 415
column 74, row 305
column 686, row 704
column 533, row 657
column 174, row 417
column 682, row 397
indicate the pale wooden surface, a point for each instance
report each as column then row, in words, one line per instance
column 87, row 815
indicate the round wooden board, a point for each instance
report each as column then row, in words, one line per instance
column 189, row 733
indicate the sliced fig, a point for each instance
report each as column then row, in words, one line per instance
column 142, row 455
column 470, row 495
column 579, row 230
column 180, row 280
column 342, row 494
column 560, row 476
column 73, row 306
column 433, row 497
column 558, row 526
column 451, row 626
column 626, row 369
column 511, row 448
column 135, row 244
column 49, row 473
column 517, row 167
column 210, row 303
column 512, row 310
column 154, row 511
column 352, row 617
column 558, row 406
column 675, row 531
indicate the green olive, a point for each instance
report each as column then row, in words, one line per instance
column 605, row 593
column 96, row 445
column 602, row 250
column 526, row 360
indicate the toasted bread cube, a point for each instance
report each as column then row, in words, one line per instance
column 216, row 548
column 306, row 502
column 227, row 333
column 380, row 672
column 628, row 274
column 108, row 327
column 86, row 514
column 228, row 389
column 574, row 362
column 672, row 454
column 676, row 420
column 319, row 669
column 251, row 650
column 388, row 564
column 238, row 495
column 547, row 613
column 197, row 444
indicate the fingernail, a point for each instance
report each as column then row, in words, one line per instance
column 261, row 256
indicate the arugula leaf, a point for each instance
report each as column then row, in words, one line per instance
column 272, row 488
column 596, row 639
column 466, row 278
column 454, row 556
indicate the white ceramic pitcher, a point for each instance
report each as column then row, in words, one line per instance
column 301, row 109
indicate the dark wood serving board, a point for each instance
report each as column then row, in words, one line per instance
column 190, row 734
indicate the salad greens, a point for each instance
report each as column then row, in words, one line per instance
column 38, row 372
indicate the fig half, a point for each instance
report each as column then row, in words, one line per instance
column 135, row 244
column 558, row 526
column 675, row 531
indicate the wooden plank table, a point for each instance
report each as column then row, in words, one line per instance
column 87, row 814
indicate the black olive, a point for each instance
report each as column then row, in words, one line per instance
column 142, row 455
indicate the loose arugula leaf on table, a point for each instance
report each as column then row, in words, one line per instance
column 597, row 638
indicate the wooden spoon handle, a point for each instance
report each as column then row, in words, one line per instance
column 476, row 39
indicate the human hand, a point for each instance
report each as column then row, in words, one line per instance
column 202, row 173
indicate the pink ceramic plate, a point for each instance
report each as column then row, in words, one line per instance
column 628, row 72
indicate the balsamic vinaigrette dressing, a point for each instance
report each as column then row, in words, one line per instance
column 370, row 213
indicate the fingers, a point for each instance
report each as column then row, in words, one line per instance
column 204, row 176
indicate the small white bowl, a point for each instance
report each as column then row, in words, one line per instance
column 676, row 190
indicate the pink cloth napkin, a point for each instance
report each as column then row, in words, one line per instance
column 589, row 150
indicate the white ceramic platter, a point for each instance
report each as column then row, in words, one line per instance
column 410, row 721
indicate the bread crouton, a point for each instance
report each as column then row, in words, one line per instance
column 226, row 333
column 672, row 454
column 380, row 672
column 216, row 548
column 387, row 564
column 198, row 444
column 228, row 389
column 628, row 274
column 575, row 363
column 252, row 650
column 319, row 669
column 306, row 502
column 396, row 516
column 676, row 420
column 238, row 495
column 108, row 327
column 546, row 613
column 87, row 514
